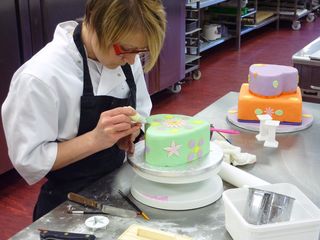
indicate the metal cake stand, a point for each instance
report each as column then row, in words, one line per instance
column 188, row 186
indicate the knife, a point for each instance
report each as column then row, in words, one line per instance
column 102, row 207
column 49, row 234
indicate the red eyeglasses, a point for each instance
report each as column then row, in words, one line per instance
column 120, row 50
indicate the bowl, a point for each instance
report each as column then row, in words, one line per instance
column 263, row 207
column 304, row 222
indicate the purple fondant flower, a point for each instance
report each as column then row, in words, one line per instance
column 191, row 157
column 147, row 149
column 191, row 144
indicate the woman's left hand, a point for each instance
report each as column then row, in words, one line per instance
column 126, row 143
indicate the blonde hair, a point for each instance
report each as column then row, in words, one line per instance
column 115, row 19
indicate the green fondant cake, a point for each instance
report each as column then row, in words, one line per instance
column 173, row 140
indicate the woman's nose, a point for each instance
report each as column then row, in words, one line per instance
column 129, row 58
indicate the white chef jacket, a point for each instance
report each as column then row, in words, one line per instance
column 43, row 103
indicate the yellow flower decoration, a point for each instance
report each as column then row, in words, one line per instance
column 173, row 131
column 155, row 124
column 197, row 122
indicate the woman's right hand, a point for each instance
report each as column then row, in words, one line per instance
column 113, row 125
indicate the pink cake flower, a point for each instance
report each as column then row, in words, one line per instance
column 269, row 111
column 173, row 149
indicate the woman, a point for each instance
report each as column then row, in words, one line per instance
column 67, row 113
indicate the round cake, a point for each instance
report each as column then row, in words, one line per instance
column 172, row 140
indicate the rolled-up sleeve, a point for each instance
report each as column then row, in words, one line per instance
column 30, row 121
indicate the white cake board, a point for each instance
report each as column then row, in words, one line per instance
column 177, row 196
column 232, row 116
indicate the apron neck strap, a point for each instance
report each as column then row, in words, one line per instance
column 87, row 84
column 131, row 83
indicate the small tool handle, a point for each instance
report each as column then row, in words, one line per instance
column 48, row 234
column 228, row 131
column 82, row 200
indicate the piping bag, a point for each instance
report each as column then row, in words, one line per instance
column 238, row 177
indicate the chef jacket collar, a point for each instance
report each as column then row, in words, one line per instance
column 110, row 78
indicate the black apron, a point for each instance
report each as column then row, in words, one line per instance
column 78, row 175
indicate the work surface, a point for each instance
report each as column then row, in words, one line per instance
column 296, row 161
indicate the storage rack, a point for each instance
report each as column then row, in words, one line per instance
column 242, row 19
column 192, row 40
column 315, row 5
column 203, row 4
column 294, row 10
column 205, row 45
column 233, row 17
column 256, row 7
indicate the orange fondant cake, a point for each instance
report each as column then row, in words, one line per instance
column 287, row 108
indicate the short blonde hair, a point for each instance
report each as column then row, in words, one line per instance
column 115, row 19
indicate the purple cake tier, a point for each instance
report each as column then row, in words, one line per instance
column 270, row 80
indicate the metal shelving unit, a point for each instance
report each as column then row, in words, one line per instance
column 258, row 13
column 194, row 46
column 241, row 19
column 205, row 45
column 210, row 44
column 232, row 16
column 260, row 16
column 204, row 3
column 192, row 40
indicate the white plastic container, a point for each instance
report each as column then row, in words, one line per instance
column 304, row 223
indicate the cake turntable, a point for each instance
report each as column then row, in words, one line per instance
column 183, row 187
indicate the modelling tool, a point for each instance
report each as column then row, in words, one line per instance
column 211, row 126
column 140, row 212
column 228, row 131
column 137, row 118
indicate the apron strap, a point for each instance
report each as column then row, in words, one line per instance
column 132, row 85
column 87, row 85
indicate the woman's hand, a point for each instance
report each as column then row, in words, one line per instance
column 126, row 143
column 114, row 125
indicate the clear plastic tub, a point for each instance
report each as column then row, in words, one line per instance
column 304, row 223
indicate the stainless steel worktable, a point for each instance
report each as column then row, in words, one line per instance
column 296, row 161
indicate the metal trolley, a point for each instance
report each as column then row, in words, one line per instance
column 294, row 10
